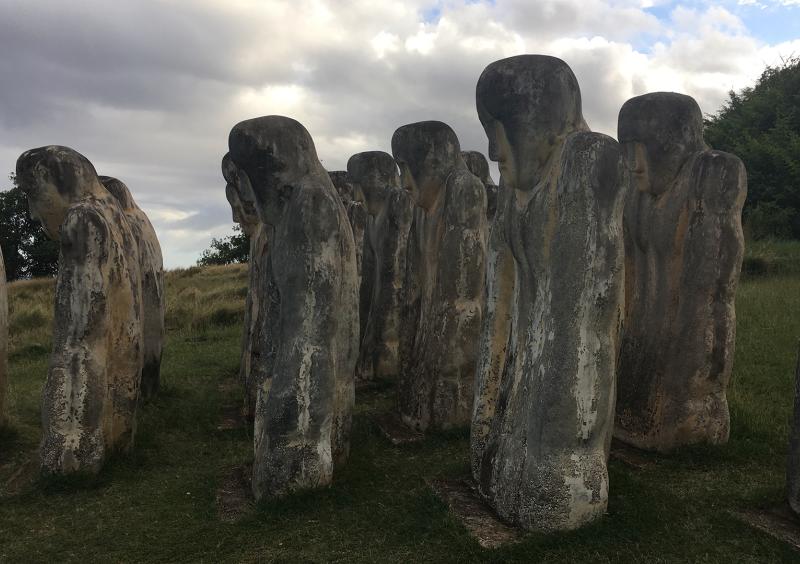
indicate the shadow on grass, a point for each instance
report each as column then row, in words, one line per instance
column 10, row 442
column 30, row 352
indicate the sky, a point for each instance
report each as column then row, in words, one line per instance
column 149, row 89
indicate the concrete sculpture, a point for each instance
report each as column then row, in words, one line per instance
column 256, row 351
column 154, row 303
column 92, row 390
column 684, row 247
column 544, row 401
column 353, row 200
column 389, row 208
column 793, row 466
column 443, row 304
column 479, row 166
column 3, row 343
column 304, row 405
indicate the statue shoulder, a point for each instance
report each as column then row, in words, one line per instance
column 720, row 179
column 465, row 187
column 84, row 220
column 595, row 158
column 721, row 161
column 591, row 147
column 314, row 209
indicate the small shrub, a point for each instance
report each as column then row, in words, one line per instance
column 28, row 319
column 187, row 272
column 755, row 266
column 32, row 351
column 178, row 317
column 190, row 293
column 226, row 315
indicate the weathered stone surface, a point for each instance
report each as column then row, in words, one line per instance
column 304, row 404
column 778, row 522
column 793, row 466
column 544, row 398
column 154, row 302
column 389, row 208
column 353, row 199
column 684, row 247
column 3, row 343
column 234, row 497
column 443, row 299
column 395, row 431
column 479, row 166
column 468, row 506
column 92, row 389
column 255, row 348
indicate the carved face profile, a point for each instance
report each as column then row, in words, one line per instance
column 53, row 178
column 425, row 152
column 658, row 133
column 239, row 193
column 527, row 105
column 274, row 154
column 375, row 173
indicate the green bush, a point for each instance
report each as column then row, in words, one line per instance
column 767, row 220
column 761, row 125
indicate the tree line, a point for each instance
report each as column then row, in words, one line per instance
column 761, row 125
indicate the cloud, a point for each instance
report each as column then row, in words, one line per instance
column 149, row 89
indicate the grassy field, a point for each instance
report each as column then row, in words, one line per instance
column 159, row 503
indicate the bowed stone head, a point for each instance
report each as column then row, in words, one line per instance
column 54, row 178
column 119, row 190
column 658, row 132
column 477, row 165
column 527, row 105
column 426, row 152
column 276, row 154
column 375, row 174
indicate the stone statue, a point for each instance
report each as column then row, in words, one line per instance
column 3, row 342
column 256, row 351
column 92, row 389
column 389, row 208
column 446, row 266
column 684, row 247
column 793, row 467
column 304, row 405
column 544, row 399
column 154, row 303
column 479, row 166
column 353, row 200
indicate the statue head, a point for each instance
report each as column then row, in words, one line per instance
column 54, row 178
column 119, row 190
column 478, row 165
column 345, row 187
column 275, row 153
column 375, row 174
column 527, row 105
column 426, row 153
column 240, row 196
column 658, row 132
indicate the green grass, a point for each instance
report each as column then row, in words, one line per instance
column 158, row 504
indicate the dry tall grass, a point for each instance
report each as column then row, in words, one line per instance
column 197, row 299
